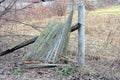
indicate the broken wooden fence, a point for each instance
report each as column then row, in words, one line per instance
column 81, row 37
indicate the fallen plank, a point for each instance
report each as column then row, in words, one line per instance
column 30, row 41
column 32, row 66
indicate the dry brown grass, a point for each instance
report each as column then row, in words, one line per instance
column 102, row 44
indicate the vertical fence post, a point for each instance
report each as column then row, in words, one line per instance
column 81, row 35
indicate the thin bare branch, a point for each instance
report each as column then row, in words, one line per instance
column 33, row 26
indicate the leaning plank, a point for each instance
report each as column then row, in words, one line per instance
column 42, row 43
column 62, row 38
column 32, row 66
column 30, row 41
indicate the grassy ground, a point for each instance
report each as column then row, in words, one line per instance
column 102, row 50
column 107, row 10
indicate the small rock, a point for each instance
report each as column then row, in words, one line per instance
column 1, row 71
column 7, row 72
